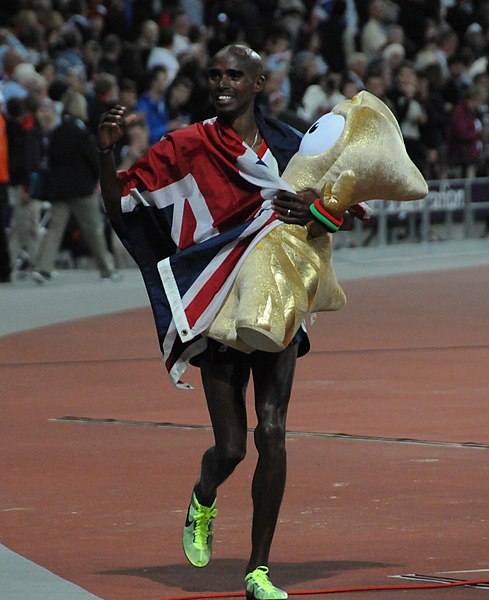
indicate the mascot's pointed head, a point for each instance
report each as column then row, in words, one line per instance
column 363, row 136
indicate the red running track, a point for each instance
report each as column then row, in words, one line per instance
column 102, row 503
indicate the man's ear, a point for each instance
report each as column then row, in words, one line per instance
column 259, row 83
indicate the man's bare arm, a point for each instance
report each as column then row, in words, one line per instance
column 110, row 130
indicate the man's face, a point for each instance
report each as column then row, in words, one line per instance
column 233, row 83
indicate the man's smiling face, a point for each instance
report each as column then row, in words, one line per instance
column 234, row 80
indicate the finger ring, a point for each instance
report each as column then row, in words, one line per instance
column 288, row 212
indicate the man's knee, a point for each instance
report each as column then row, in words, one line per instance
column 270, row 438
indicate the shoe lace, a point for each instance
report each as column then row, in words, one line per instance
column 202, row 519
column 260, row 578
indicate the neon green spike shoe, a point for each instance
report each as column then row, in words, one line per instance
column 197, row 533
column 259, row 586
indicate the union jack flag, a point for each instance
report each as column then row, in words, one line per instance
column 193, row 208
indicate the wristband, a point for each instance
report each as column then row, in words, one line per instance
column 322, row 219
column 328, row 215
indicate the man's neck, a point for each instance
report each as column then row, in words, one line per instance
column 244, row 125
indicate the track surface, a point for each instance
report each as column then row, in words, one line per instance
column 401, row 372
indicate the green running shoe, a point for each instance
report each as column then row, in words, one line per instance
column 259, row 586
column 197, row 533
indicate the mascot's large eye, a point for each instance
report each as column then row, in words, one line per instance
column 322, row 135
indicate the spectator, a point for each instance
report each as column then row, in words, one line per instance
column 128, row 94
column 147, row 39
column 24, row 139
column 137, row 143
column 76, row 79
column 5, row 267
column 475, row 39
column 320, row 98
column 306, row 63
column 332, row 32
column 181, row 24
column 24, row 79
column 162, row 54
column 434, row 130
column 457, row 81
column 178, row 99
column 200, row 104
column 373, row 35
column 152, row 103
column 71, row 53
column 277, row 58
column 75, row 13
column 466, row 135
column 72, row 180
column 393, row 55
column 47, row 70
column 357, row 65
column 409, row 111
column 460, row 15
column 92, row 54
column 349, row 87
column 111, row 54
column 105, row 95
column 376, row 84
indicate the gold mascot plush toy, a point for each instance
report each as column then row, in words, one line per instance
column 352, row 154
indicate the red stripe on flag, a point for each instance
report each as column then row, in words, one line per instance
column 210, row 288
column 189, row 224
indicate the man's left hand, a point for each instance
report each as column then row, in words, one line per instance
column 294, row 208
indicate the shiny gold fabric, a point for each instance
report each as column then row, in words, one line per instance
column 372, row 148
column 290, row 272
column 286, row 276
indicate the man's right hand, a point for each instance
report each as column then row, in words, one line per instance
column 112, row 126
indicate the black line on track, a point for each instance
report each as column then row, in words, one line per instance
column 309, row 434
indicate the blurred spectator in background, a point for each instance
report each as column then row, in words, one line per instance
column 75, row 14
column 200, row 107
column 373, row 35
column 110, row 61
column 70, row 187
column 137, row 143
column 152, row 104
column 277, row 56
column 5, row 266
column 178, row 99
column 332, row 31
column 357, row 65
column 70, row 55
column 24, row 139
column 349, row 87
column 434, row 129
column 320, row 98
column 393, row 55
column 376, row 84
column 460, row 15
column 104, row 96
column 475, row 39
column 92, row 53
column 307, row 66
column 181, row 25
column 128, row 94
column 457, row 81
column 409, row 110
column 147, row 39
column 163, row 55
column 467, row 135
column 24, row 79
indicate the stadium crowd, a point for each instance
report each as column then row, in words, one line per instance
column 71, row 60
